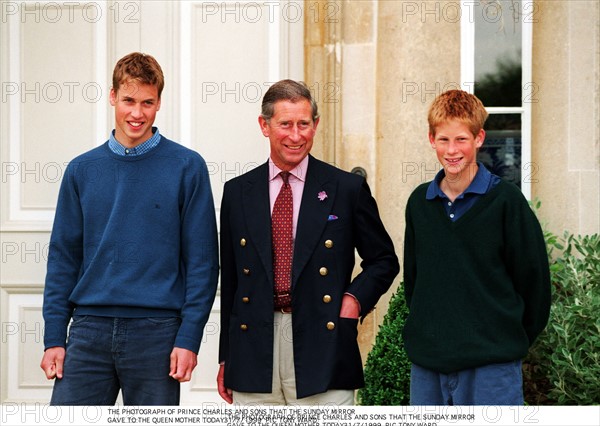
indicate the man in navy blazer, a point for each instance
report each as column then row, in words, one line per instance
column 305, row 352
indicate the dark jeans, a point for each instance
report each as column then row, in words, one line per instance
column 107, row 354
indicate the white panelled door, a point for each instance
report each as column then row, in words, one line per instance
column 218, row 57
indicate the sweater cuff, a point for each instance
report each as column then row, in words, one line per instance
column 54, row 336
column 187, row 343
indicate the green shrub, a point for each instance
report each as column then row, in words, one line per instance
column 563, row 366
column 387, row 370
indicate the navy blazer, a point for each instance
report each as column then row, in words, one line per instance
column 326, row 353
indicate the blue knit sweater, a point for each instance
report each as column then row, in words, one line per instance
column 133, row 236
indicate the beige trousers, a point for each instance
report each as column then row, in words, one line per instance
column 284, row 382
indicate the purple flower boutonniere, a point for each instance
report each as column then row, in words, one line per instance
column 322, row 195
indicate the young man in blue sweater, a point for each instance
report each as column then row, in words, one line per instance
column 133, row 258
column 476, row 275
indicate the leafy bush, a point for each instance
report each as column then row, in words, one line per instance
column 563, row 366
column 387, row 370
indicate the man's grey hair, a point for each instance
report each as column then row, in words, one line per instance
column 287, row 90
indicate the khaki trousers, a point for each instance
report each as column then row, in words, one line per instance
column 284, row 381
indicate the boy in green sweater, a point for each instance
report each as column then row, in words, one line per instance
column 476, row 274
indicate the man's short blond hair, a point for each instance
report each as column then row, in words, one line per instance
column 138, row 67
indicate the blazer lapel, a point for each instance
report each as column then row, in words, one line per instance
column 258, row 215
column 313, row 215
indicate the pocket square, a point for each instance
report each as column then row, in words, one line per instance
column 332, row 217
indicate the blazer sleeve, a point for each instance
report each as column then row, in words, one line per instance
column 379, row 261
column 228, row 275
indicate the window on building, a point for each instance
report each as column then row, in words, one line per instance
column 496, row 66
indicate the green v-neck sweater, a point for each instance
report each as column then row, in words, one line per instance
column 478, row 289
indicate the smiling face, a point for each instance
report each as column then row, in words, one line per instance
column 136, row 105
column 456, row 148
column 290, row 130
